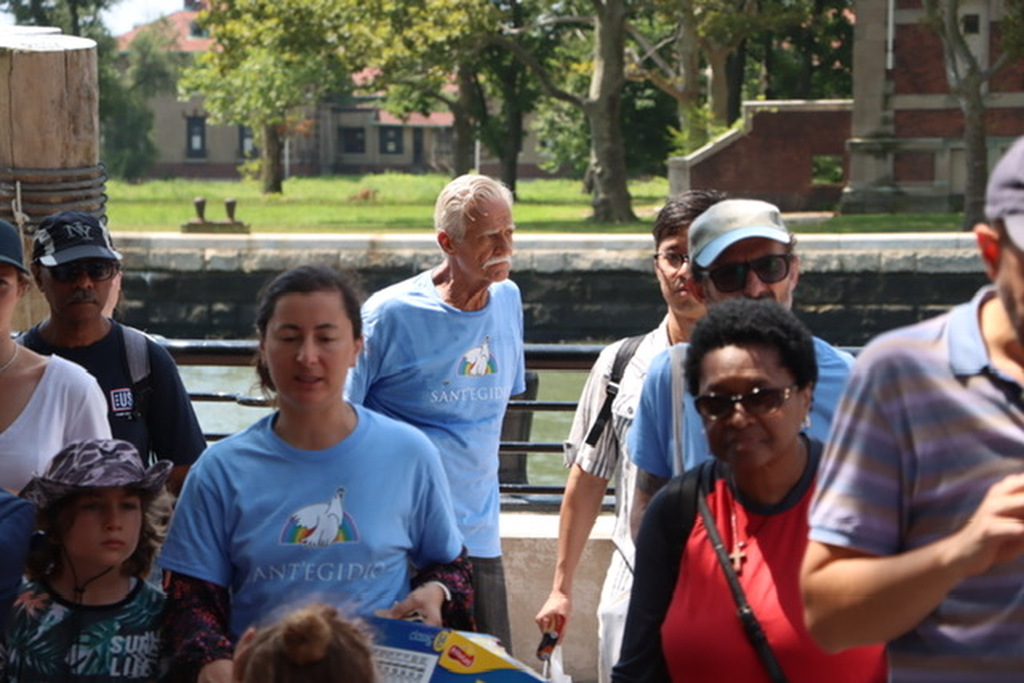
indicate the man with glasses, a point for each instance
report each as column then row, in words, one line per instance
column 738, row 248
column 595, row 449
column 74, row 264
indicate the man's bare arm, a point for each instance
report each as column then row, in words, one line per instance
column 581, row 504
column 852, row 598
column 646, row 486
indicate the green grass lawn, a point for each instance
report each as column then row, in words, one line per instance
column 404, row 203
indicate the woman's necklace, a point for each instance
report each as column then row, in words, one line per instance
column 738, row 555
column 10, row 361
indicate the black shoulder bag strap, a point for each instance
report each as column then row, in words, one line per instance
column 622, row 358
column 751, row 625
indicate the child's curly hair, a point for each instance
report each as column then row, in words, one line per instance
column 52, row 522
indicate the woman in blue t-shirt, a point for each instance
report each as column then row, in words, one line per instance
column 321, row 500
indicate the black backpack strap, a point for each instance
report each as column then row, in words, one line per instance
column 622, row 357
column 685, row 490
column 136, row 351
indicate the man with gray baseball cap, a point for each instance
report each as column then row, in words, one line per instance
column 917, row 526
column 739, row 248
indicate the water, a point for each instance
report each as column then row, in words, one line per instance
column 227, row 418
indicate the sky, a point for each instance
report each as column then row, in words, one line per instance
column 127, row 14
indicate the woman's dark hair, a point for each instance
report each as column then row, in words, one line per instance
column 752, row 322
column 305, row 280
column 52, row 522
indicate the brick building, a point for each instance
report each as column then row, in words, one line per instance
column 906, row 150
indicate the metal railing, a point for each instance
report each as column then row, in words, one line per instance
column 577, row 357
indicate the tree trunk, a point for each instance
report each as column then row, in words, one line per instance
column 976, row 150
column 718, row 83
column 463, row 124
column 611, row 200
column 735, row 69
column 691, row 122
column 511, row 146
column 272, row 159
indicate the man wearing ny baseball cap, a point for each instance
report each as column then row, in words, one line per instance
column 74, row 264
column 738, row 248
column 917, row 527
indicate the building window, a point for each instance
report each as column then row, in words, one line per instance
column 197, row 31
column 972, row 24
column 390, row 140
column 826, row 169
column 246, row 143
column 353, row 140
column 195, row 137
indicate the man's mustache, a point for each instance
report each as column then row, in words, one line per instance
column 496, row 260
column 82, row 296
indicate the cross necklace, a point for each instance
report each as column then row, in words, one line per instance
column 738, row 555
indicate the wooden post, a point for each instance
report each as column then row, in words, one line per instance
column 49, row 135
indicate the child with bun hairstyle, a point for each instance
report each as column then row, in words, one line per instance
column 85, row 611
column 313, row 644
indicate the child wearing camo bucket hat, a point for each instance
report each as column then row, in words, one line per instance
column 85, row 611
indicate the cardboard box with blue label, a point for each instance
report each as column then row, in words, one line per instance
column 411, row 652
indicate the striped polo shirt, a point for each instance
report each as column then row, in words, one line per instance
column 925, row 427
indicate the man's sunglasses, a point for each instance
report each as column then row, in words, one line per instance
column 732, row 277
column 757, row 402
column 97, row 271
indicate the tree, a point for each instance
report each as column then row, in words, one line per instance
column 75, row 17
column 967, row 78
column 423, row 56
column 272, row 61
column 149, row 68
column 648, row 117
column 601, row 104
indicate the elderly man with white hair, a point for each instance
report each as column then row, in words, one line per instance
column 444, row 352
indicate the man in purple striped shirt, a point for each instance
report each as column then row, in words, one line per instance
column 917, row 527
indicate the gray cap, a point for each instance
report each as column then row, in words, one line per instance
column 1004, row 199
column 97, row 463
column 731, row 221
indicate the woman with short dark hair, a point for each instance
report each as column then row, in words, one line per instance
column 728, row 536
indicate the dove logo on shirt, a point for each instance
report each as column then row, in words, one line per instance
column 321, row 524
column 478, row 361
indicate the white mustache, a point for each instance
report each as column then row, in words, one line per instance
column 495, row 261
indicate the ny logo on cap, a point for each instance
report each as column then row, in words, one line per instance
column 77, row 230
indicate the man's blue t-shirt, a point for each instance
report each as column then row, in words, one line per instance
column 650, row 440
column 278, row 525
column 448, row 373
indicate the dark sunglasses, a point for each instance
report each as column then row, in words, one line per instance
column 97, row 271
column 732, row 277
column 757, row 402
column 674, row 260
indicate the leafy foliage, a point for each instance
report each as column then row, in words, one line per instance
column 149, row 68
column 269, row 65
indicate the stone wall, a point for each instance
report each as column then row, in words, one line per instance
column 575, row 288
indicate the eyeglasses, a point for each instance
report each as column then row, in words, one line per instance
column 758, row 402
column 97, row 270
column 674, row 259
column 732, row 277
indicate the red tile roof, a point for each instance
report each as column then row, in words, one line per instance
column 181, row 27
